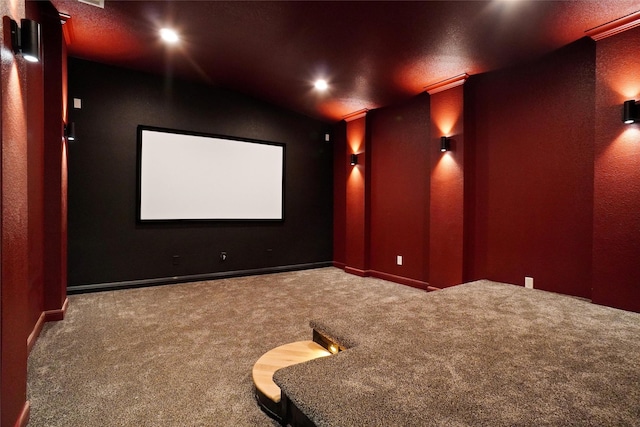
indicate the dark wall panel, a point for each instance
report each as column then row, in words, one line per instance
column 532, row 131
column 106, row 244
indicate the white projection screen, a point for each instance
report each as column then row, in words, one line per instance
column 188, row 176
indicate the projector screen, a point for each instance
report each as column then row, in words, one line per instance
column 192, row 176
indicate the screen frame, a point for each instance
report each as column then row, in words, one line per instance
column 139, row 162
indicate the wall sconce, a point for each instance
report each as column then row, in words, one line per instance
column 70, row 131
column 354, row 159
column 445, row 143
column 25, row 40
column 630, row 113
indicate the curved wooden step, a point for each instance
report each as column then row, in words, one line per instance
column 267, row 392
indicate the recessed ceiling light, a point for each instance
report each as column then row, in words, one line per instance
column 321, row 84
column 169, row 35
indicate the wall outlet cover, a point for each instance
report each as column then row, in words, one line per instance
column 528, row 282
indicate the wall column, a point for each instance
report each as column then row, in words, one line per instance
column 357, row 212
column 616, row 223
column 14, row 232
column 447, row 184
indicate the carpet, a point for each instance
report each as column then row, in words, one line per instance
column 181, row 355
column 478, row 354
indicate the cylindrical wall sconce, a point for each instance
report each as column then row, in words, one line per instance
column 25, row 40
column 630, row 112
column 354, row 159
column 70, row 131
column 445, row 143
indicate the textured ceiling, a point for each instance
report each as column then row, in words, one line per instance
column 372, row 53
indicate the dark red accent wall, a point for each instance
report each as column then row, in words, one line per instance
column 357, row 221
column 533, row 133
column 400, row 164
column 446, row 220
column 36, row 182
column 31, row 101
column 55, row 162
column 514, row 197
column 339, row 136
column 14, row 244
column 616, row 228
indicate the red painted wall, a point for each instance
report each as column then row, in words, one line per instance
column 357, row 221
column 31, row 110
column 36, row 179
column 14, row 234
column 55, row 161
column 447, row 189
column 339, row 194
column 542, row 180
column 616, row 228
column 532, row 131
column 400, row 164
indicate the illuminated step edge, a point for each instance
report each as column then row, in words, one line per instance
column 267, row 392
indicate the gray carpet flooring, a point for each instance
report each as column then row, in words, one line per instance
column 181, row 355
column 480, row 354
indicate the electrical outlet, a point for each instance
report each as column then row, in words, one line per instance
column 399, row 259
column 528, row 282
column 175, row 260
column 223, row 256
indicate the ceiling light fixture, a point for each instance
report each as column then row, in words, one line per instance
column 321, row 84
column 169, row 35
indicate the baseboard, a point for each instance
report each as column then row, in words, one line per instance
column 356, row 271
column 340, row 265
column 23, row 418
column 78, row 289
column 399, row 279
column 56, row 315
column 35, row 333
column 390, row 277
column 46, row 316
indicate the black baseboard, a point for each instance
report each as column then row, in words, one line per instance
column 97, row 287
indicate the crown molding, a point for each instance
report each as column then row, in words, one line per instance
column 614, row 27
column 355, row 115
column 447, row 84
column 67, row 27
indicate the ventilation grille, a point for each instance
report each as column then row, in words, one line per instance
column 98, row 3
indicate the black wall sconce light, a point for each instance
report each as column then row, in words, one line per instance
column 445, row 143
column 25, row 40
column 354, row 159
column 630, row 112
column 70, row 131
